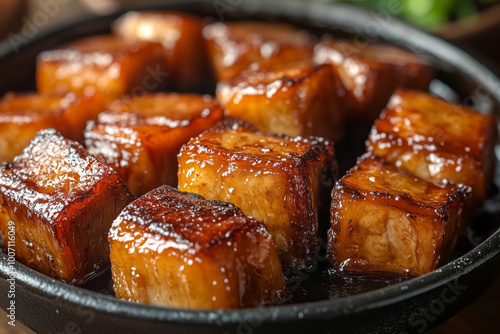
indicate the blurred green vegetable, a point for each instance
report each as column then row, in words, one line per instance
column 429, row 14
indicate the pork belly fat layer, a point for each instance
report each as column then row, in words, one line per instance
column 437, row 140
column 176, row 249
column 384, row 220
column 140, row 137
column 103, row 64
column 61, row 202
column 279, row 180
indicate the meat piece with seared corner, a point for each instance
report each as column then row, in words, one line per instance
column 295, row 99
column 180, row 35
column 370, row 73
column 177, row 249
column 437, row 140
column 284, row 182
column 386, row 220
column 234, row 46
column 103, row 64
column 141, row 136
column 61, row 202
column 23, row 115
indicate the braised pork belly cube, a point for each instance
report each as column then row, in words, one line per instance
column 176, row 249
column 385, row 220
column 233, row 47
column 282, row 181
column 297, row 100
column 437, row 140
column 370, row 73
column 284, row 57
column 180, row 35
column 61, row 202
column 106, row 64
column 23, row 115
column 140, row 137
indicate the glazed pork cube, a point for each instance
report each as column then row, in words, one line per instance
column 180, row 35
column 286, row 56
column 384, row 220
column 176, row 249
column 233, row 47
column 23, row 115
column 437, row 140
column 105, row 64
column 61, row 202
column 297, row 100
column 281, row 181
column 140, row 137
column 370, row 73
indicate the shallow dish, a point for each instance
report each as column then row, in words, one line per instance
column 414, row 305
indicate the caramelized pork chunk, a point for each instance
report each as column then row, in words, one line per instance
column 104, row 64
column 180, row 35
column 297, row 100
column 370, row 73
column 61, row 202
column 437, row 140
column 384, row 220
column 140, row 137
column 233, row 47
column 23, row 115
column 279, row 180
column 176, row 249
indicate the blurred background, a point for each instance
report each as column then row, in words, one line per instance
column 472, row 24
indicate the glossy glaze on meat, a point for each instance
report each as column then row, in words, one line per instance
column 23, row 115
column 385, row 220
column 62, row 202
column 401, row 215
column 297, row 99
column 176, row 249
column 232, row 47
column 279, row 180
column 437, row 140
column 105, row 64
column 140, row 137
column 180, row 35
column 370, row 73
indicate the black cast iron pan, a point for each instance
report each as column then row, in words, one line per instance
column 322, row 301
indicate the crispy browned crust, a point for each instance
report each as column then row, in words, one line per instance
column 384, row 219
column 23, row 115
column 233, row 47
column 62, row 202
column 177, row 249
column 140, row 137
column 370, row 73
column 280, row 180
column 437, row 140
column 299, row 99
column 180, row 35
column 105, row 64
